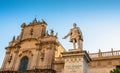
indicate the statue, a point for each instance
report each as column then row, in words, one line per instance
column 75, row 36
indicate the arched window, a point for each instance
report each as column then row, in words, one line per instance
column 23, row 63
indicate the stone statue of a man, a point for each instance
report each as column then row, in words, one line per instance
column 75, row 36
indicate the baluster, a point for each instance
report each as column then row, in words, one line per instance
column 118, row 53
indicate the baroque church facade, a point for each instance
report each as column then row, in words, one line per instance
column 37, row 51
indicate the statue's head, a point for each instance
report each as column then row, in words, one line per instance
column 74, row 25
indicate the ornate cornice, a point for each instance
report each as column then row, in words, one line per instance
column 36, row 70
column 28, row 39
column 26, row 52
column 10, row 47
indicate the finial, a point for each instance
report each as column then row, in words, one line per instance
column 17, row 37
column 52, row 32
column 44, row 22
column 13, row 38
column 99, row 50
column 35, row 20
column 56, row 34
column 23, row 25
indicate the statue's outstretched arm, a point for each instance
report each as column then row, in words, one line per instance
column 67, row 35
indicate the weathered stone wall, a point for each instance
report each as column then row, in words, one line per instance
column 103, row 66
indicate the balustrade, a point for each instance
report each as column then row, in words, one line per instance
column 105, row 54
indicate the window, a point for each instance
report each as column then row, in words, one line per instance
column 23, row 63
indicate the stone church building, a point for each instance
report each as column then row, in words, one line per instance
column 37, row 51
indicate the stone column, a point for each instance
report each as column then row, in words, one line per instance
column 49, row 57
column 14, row 59
column 76, row 61
column 37, row 59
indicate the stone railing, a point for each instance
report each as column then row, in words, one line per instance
column 105, row 54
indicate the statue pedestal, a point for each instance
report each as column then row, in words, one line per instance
column 76, row 61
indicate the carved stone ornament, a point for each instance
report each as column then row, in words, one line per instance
column 26, row 52
column 35, row 20
column 43, row 22
column 42, row 54
column 13, row 38
column 23, row 25
column 52, row 32
column 31, row 31
column 9, row 59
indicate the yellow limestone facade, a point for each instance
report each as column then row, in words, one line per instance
column 36, row 45
column 37, row 51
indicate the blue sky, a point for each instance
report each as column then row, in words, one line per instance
column 99, row 20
